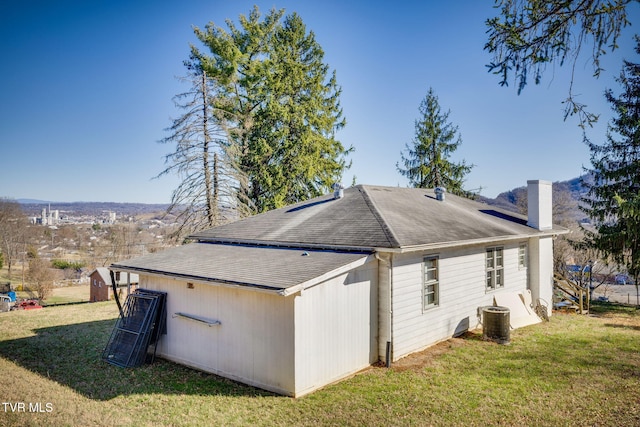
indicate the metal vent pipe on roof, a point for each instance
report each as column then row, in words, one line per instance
column 440, row 191
column 338, row 191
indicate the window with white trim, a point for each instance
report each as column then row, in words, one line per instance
column 430, row 283
column 495, row 268
column 522, row 256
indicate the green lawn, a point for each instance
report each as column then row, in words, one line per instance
column 68, row 294
column 574, row 370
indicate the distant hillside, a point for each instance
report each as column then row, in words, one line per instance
column 576, row 185
column 32, row 201
column 565, row 193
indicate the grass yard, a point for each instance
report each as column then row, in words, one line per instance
column 60, row 295
column 573, row 370
column 68, row 294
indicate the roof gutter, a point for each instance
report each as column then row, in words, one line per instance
column 291, row 245
column 472, row 242
column 198, row 279
column 397, row 249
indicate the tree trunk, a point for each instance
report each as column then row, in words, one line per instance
column 216, row 188
column 211, row 202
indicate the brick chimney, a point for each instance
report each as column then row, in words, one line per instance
column 539, row 204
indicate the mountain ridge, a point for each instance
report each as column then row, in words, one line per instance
column 512, row 200
column 567, row 198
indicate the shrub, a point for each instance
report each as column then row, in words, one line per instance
column 62, row 264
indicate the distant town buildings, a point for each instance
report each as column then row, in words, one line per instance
column 51, row 217
column 47, row 217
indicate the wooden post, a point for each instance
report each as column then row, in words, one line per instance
column 581, row 298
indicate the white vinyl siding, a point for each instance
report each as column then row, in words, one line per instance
column 462, row 289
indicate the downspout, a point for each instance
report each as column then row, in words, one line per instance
column 115, row 292
column 388, row 262
column 390, row 342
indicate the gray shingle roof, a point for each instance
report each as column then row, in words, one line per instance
column 347, row 222
column 368, row 218
column 103, row 272
column 261, row 267
column 376, row 218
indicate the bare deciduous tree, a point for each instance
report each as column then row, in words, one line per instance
column 13, row 225
column 206, row 194
column 40, row 277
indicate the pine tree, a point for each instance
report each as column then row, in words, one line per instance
column 280, row 107
column 298, row 121
column 427, row 163
column 613, row 201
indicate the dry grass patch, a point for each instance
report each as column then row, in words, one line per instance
column 68, row 294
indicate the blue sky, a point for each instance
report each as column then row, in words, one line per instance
column 87, row 91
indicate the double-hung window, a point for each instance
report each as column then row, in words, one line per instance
column 495, row 268
column 431, row 283
column 522, row 256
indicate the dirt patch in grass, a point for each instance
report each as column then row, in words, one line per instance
column 419, row 360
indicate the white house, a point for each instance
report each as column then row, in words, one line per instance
column 299, row 297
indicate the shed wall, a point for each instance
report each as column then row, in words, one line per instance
column 461, row 291
column 99, row 290
column 253, row 344
column 336, row 325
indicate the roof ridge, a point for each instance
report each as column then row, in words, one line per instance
column 377, row 213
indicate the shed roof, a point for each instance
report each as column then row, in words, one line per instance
column 377, row 218
column 279, row 269
column 103, row 272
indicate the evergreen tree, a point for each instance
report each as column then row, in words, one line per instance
column 279, row 107
column 613, row 201
column 427, row 163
